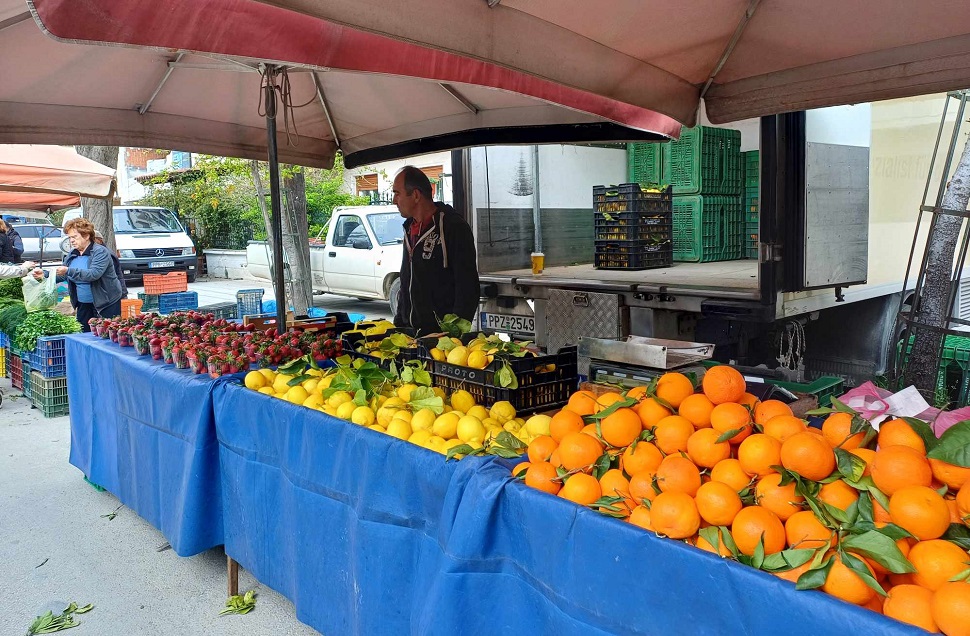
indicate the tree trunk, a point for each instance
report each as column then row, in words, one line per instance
column 296, row 239
column 98, row 211
column 934, row 302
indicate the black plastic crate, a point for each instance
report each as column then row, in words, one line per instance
column 149, row 302
column 630, row 197
column 526, row 400
column 220, row 310
column 632, row 255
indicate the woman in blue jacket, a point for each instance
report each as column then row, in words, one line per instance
column 91, row 279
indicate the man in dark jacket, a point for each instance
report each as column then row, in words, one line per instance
column 439, row 274
column 16, row 243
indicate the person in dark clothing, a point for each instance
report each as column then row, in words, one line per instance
column 439, row 274
column 17, row 243
column 7, row 254
column 99, row 239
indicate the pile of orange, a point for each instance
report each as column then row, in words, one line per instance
column 736, row 476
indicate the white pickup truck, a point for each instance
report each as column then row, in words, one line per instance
column 360, row 257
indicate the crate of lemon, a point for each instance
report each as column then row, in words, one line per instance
column 874, row 517
column 494, row 370
column 451, row 424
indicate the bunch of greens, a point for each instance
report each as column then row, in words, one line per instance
column 43, row 323
column 12, row 288
column 240, row 604
column 48, row 623
column 12, row 313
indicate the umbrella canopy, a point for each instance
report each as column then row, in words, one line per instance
column 746, row 58
column 190, row 79
column 49, row 178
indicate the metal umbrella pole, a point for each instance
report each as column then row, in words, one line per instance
column 269, row 95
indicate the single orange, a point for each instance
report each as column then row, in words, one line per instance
column 704, row 449
column 758, row 453
column 721, row 550
column 621, row 427
column 643, row 487
column 804, row 530
column 730, row 416
column 697, row 409
column 671, row 434
column 950, row 608
column 838, row 494
column 540, row 476
column 643, row 456
column 963, row 503
column 750, row 401
column 673, row 387
column 614, row 484
column 578, row 450
column 678, row 474
column 899, row 433
column 717, row 503
column 581, row 488
column 541, row 448
column 769, row 409
column 844, row 583
column 583, row 403
column 722, row 384
column 651, row 412
column 936, row 562
column 921, row 511
column 808, row 455
column 637, row 392
column 866, row 455
column 895, row 467
column 781, row 427
column 753, row 524
column 911, row 604
column 675, row 515
column 729, row 471
column 563, row 422
column 781, row 500
column 641, row 517
column 837, row 430
column 953, row 476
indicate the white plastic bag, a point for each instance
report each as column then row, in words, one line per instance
column 39, row 294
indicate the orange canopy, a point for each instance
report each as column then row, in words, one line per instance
column 49, row 178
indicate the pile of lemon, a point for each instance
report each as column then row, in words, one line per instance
column 463, row 420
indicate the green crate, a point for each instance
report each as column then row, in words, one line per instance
column 49, row 394
column 824, row 388
column 706, row 160
column 707, row 228
column 648, row 163
column 751, row 239
column 752, row 168
column 149, row 302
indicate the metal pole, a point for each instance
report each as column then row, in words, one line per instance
column 536, row 209
column 269, row 95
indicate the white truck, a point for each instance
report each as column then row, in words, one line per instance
column 360, row 256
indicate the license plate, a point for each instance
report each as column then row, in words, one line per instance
column 508, row 322
column 162, row 264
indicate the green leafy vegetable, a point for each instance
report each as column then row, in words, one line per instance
column 49, row 623
column 240, row 604
column 12, row 288
column 454, row 326
column 43, row 323
column 11, row 316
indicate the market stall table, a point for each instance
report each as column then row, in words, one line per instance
column 145, row 431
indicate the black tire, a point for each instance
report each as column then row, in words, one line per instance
column 392, row 295
column 363, row 299
column 191, row 276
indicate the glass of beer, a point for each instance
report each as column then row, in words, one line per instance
column 538, row 262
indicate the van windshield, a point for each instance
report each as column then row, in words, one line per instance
column 388, row 228
column 130, row 220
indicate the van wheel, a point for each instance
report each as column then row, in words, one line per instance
column 392, row 295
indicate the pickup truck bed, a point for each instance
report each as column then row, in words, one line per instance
column 734, row 279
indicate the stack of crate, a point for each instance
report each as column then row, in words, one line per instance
column 45, row 380
column 166, row 293
column 706, row 173
column 632, row 227
column 752, row 184
column 249, row 302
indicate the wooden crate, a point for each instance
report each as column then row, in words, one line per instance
column 268, row 321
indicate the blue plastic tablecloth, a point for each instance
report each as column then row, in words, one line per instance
column 145, row 431
column 370, row 535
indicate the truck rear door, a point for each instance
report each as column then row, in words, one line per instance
column 348, row 261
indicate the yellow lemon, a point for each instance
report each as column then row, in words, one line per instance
column 402, row 415
column 363, row 415
column 451, row 443
column 438, row 391
column 338, row 398
column 296, row 395
column 345, row 410
column 385, row 414
column 254, row 380
column 462, row 400
column 377, row 427
column 478, row 411
column 470, row 430
column 329, row 410
column 419, row 437
column 399, row 429
column 280, row 383
column 502, row 412
column 394, row 401
column 491, row 433
column 511, row 426
column 325, row 381
column 459, row 356
column 438, row 354
column 445, row 425
column 314, row 372
column 423, row 420
column 477, row 359
column 310, row 385
column 314, row 401
column 268, row 390
column 538, row 425
column 269, row 374
column 404, row 391
column 436, row 444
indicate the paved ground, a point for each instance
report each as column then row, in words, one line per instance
column 55, row 546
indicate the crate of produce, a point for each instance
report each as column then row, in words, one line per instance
column 648, row 163
column 169, row 283
column 752, row 168
column 330, row 322
column 149, row 302
column 177, row 301
column 708, row 228
column 49, row 394
column 629, row 197
column 249, row 302
column 706, row 160
column 131, row 307
column 48, row 357
column 544, row 381
column 751, row 240
column 632, row 255
column 4, row 340
column 15, row 369
column 225, row 310
column 649, row 218
column 3, row 362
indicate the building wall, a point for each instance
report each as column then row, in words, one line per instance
column 386, row 170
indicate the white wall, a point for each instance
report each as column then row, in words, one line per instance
column 387, row 169
column 842, row 125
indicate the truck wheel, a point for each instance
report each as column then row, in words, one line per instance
column 392, row 295
column 191, row 277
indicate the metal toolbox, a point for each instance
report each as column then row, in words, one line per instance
column 571, row 315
